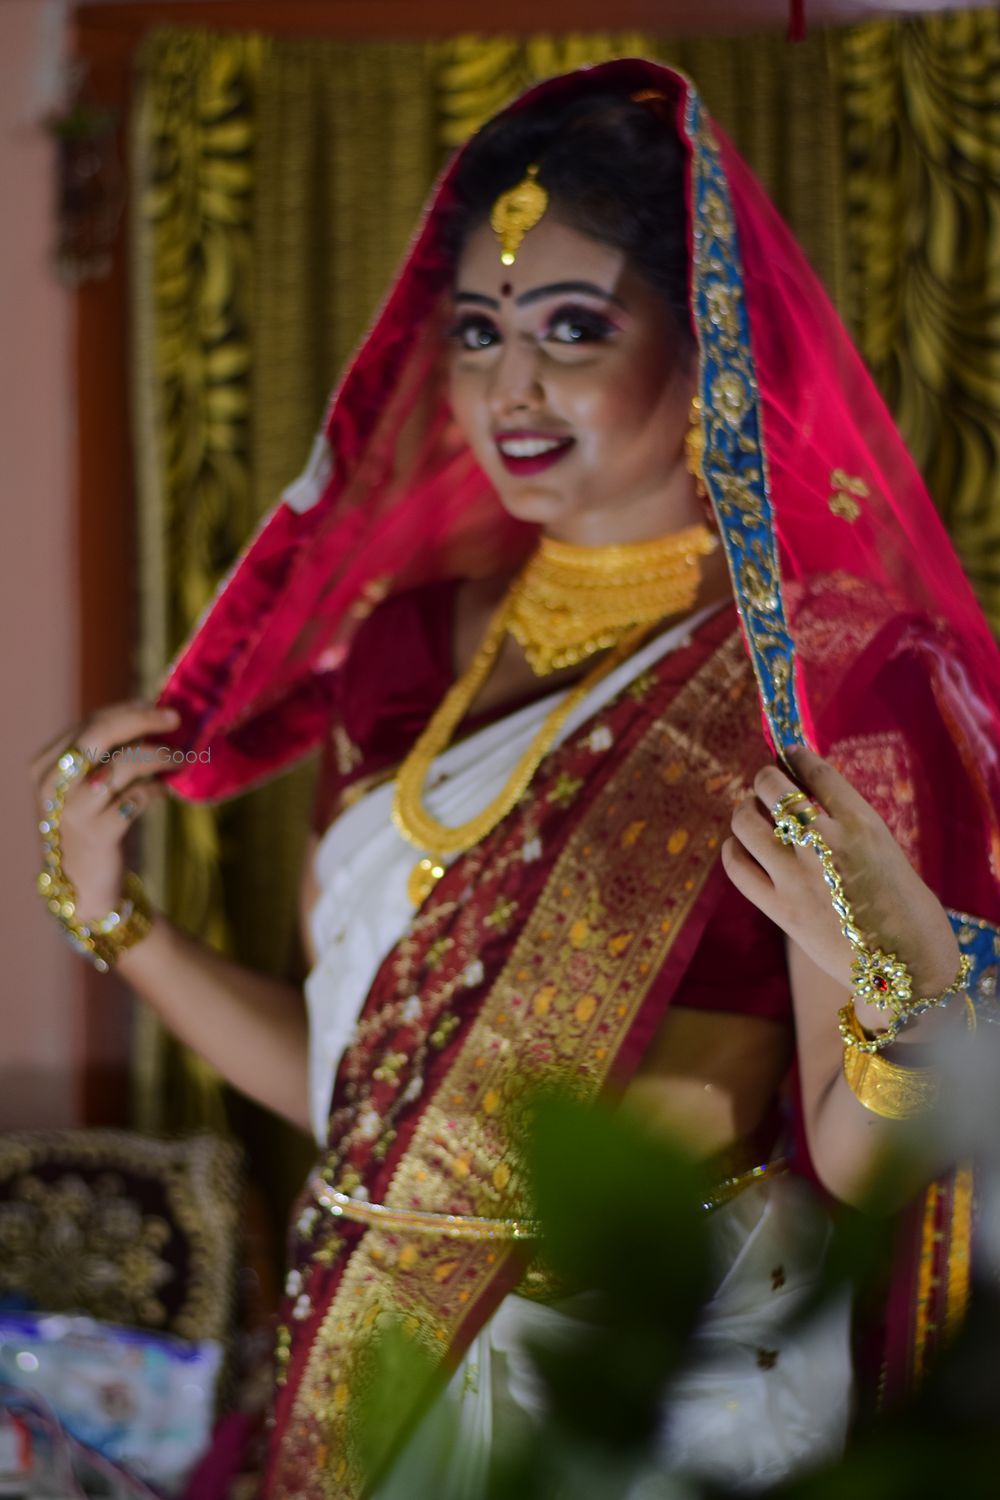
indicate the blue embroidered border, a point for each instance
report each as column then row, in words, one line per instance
column 734, row 460
column 981, row 941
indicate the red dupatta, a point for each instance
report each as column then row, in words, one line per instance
column 863, row 633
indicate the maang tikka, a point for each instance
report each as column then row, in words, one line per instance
column 516, row 211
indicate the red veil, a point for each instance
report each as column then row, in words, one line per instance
column 863, row 631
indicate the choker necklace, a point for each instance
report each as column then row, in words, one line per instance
column 618, row 594
column 571, row 602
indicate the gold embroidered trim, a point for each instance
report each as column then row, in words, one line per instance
column 960, row 1249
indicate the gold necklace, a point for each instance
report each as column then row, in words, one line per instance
column 571, row 602
column 410, row 816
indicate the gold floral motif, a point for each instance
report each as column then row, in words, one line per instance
column 757, row 587
column 729, row 398
column 735, row 492
column 371, row 596
column 847, row 491
column 721, row 308
column 565, row 790
column 346, row 754
column 716, row 214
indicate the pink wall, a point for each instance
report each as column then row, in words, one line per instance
column 40, row 979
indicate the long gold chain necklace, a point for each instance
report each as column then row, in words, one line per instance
column 571, row 602
column 410, row 815
column 616, row 594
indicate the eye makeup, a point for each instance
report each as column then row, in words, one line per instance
column 585, row 325
column 473, row 331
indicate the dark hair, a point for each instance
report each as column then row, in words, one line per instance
column 614, row 168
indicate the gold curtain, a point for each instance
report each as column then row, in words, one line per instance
column 275, row 184
column 192, row 163
column 274, row 187
column 922, row 120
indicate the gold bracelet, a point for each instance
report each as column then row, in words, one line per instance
column 105, row 940
column 880, row 979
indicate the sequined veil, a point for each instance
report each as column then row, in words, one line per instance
column 862, row 633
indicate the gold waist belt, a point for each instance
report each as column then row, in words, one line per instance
column 472, row 1227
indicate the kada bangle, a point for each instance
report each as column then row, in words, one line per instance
column 883, row 1087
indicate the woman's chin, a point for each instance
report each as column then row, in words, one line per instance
column 535, row 505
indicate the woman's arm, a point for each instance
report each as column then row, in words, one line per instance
column 251, row 1028
column 848, row 1143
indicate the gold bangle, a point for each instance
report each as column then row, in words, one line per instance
column 888, row 1090
column 885, row 1088
column 105, row 940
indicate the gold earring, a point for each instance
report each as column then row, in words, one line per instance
column 694, row 443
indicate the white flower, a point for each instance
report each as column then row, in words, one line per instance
column 412, row 1009
column 531, row 850
column 307, row 1220
column 360, row 1193
column 293, row 1283
column 412, row 1090
column 601, row 738
column 473, row 973
column 369, row 1123
column 302, row 1308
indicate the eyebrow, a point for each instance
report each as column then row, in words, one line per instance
column 539, row 293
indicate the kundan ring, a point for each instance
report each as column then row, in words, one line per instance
column 788, row 800
column 792, row 817
column 127, row 809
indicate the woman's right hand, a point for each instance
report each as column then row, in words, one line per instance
column 102, row 805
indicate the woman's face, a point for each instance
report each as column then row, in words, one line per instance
column 572, row 386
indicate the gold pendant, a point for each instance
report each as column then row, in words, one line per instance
column 422, row 879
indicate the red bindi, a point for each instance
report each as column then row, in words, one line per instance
column 506, row 289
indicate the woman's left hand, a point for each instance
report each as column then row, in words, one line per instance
column 892, row 905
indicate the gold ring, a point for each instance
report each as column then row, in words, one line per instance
column 72, row 764
column 784, row 803
column 792, row 824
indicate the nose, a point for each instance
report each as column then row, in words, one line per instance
column 517, row 382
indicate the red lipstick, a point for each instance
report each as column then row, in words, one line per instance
column 524, row 452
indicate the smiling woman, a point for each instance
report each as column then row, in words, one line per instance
column 574, row 395
column 573, row 530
